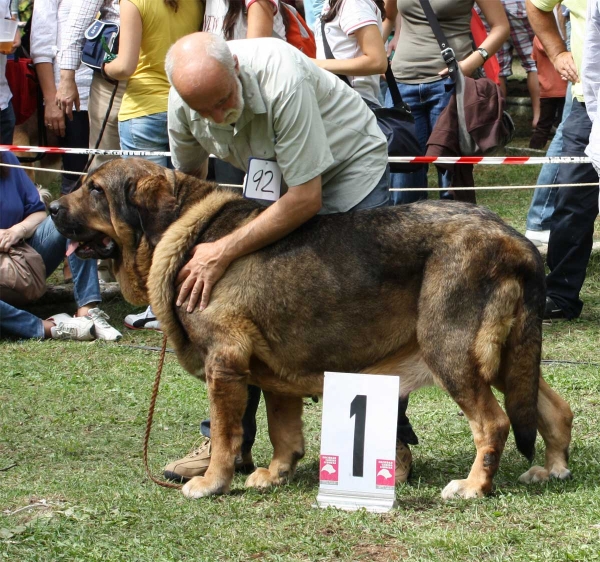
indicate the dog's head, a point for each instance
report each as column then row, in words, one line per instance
column 120, row 212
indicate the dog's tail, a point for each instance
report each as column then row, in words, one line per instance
column 512, row 339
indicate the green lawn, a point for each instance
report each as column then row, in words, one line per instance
column 72, row 485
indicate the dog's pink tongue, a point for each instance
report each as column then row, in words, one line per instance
column 72, row 247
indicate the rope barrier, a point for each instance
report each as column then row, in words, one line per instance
column 479, row 188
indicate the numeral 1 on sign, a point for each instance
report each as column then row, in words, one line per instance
column 358, row 408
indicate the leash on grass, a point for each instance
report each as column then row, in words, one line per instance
column 161, row 361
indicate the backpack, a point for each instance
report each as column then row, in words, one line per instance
column 298, row 33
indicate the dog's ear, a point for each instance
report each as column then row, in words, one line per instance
column 156, row 204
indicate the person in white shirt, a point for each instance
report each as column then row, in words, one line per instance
column 47, row 29
column 7, row 115
column 353, row 30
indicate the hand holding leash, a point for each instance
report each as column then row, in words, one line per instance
column 199, row 275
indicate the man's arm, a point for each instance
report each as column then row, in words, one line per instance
column 545, row 27
column 210, row 261
column 81, row 15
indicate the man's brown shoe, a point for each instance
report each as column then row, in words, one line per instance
column 196, row 464
column 403, row 462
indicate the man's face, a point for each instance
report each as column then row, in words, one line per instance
column 227, row 108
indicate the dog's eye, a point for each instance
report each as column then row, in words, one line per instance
column 95, row 188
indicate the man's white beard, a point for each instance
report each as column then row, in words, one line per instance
column 233, row 114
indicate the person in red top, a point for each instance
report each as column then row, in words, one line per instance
column 553, row 90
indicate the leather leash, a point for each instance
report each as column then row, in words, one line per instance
column 159, row 369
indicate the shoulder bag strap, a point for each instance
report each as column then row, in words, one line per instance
column 329, row 54
column 447, row 51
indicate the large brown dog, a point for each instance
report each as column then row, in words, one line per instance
column 437, row 293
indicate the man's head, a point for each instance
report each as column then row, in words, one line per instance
column 202, row 69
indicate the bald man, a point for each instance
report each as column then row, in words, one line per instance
column 262, row 98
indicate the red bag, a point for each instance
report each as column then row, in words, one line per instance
column 22, row 82
column 479, row 32
column 298, row 33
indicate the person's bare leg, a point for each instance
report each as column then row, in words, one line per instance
column 533, row 85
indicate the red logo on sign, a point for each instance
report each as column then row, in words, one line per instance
column 329, row 472
column 385, row 471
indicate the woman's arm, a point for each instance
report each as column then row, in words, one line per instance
column 130, row 41
column 261, row 14
column 391, row 15
column 24, row 229
column 495, row 16
column 372, row 61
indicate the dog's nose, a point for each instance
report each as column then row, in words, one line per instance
column 54, row 208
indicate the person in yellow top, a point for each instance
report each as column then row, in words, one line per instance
column 148, row 29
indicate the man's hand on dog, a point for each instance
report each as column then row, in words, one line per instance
column 199, row 275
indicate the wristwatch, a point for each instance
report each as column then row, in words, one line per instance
column 483, row 53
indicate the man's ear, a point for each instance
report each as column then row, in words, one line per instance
column 157, row 207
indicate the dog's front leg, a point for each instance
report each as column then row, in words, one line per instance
column 228, row 393
column 284, row 414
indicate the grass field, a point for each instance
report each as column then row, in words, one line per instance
column 72, row 486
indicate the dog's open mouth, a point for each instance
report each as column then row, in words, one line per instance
column 100, row 247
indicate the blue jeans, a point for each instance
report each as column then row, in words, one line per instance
column 575, row 211
column 379, row 196
column 540, row 211
column 51, row 245
column 7, row 124
column 149, row 132
column 427, row 101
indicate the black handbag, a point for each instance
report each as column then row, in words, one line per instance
column 101, row 40
column 397, row 123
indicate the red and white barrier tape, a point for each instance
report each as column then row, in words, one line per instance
column 489, row 160
column 61, row 150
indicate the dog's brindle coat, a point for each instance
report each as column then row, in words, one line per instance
column 438, row 293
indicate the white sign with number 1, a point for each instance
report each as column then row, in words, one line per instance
column 358, row 442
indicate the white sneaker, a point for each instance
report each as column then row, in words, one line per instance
column 104, row 331
column 538, row 237
column 142, row 321
column 69, row 328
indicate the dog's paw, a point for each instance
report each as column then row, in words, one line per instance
column 561, row 473
column 534, row 475
column 261, row 479
column 461, row 489
column 200, row 487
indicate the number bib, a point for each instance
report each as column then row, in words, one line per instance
column 263, row 180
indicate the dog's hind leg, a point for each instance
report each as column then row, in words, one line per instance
column 554, row 423
column 284, row 414
column 227, row 379
column 490, row 427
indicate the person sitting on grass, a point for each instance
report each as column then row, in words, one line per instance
column 23, row 217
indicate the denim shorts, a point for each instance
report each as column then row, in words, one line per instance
column 149, row 133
